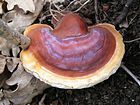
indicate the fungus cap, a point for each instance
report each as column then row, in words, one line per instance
column 73, row 55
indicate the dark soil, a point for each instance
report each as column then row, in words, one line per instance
column 120, row 88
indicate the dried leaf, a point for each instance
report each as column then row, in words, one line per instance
column 27, row 87
column 19, row 73
column 12, row 63
column 1, row 94
column 25, row 95
column 18, row 20
column 6, row 46
column 5, row 102
column 26, row 5
column 2, row 63
column 1, row 10
column 3, row 77
column 15, row 51
column 13, row 36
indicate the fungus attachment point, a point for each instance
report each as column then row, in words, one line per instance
column 73, row 55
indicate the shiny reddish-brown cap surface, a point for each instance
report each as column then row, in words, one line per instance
column 73, row 55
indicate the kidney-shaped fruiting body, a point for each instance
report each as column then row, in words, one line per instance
column 73, row 55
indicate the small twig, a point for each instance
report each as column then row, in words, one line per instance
column 82, row 6
column 130, row 41
column 42, row 100
column 131, row 74
column 96, row 11
column 131, row 21
column 70, row 4
column 13, row 36
column 124, row 12
column 57, row 12
column 57, row 7
column 52, row 10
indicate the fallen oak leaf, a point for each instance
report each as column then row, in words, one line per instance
column 1, row 94
column 2, row 63
column 27, row 86
column 25, row 95
column 5, row 47
column 18, row 20
column 1, row 9
column 3, row 77
column 12, row 36
column 19, row 73
column 15, row 51
column 12, row 63
column 21, row 4
column 4, row 101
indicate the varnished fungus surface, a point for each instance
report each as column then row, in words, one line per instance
column 72, row 56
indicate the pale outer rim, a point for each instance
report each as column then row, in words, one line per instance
column 55, row 80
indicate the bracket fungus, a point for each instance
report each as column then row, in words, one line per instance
column 73, row 55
